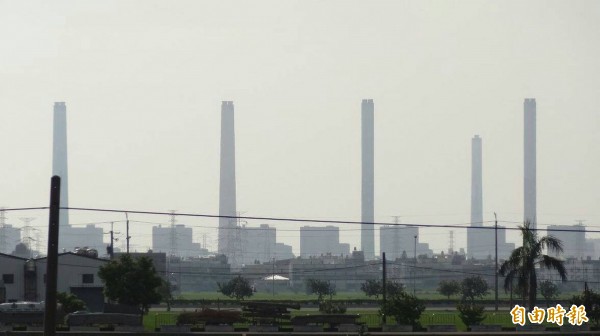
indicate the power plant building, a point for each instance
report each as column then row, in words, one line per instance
column 10, row 236
column 176, row 240
column 573, row 240
column 321, row 240
column 259, row 244
column 398, row 241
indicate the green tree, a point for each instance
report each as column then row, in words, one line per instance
column 166, row 292
column 591, row 301
column 521, row 265
column 375, row 288
column 405, row 308
column 472, row 288
column 470, row 313
column 371, row 287
column 237, row 287
column 549, row 290
column 70, row 302
column 131, row 281
column 394, row 288
column 320, row 287
column 449, row 288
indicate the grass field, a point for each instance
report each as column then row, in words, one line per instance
column 369, row 317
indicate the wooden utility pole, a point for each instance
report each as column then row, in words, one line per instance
column 52, row 260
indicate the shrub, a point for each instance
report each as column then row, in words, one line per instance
column 406, row 308
column 70, row 303
column 470, row 313
column 591, row 301
column 237, row 287
column 449, row 287
column 330, row 307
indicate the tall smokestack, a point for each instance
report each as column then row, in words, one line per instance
column 367, row 236
column 227, row 197
column 529, row 194
column 475, row 245
column 59, row 165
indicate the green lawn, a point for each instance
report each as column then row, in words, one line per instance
column 369, row 317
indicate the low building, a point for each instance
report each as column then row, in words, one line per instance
column 25, row 279
column 12, row 284
column 77, row 274
column 201, row 273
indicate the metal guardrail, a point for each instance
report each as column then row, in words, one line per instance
column 440, row 318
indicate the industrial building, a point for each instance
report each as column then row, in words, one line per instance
column 321, row 240
column 399, row 240
column 176, row 240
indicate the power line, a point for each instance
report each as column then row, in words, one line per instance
column 324, row 221
column 464, row 225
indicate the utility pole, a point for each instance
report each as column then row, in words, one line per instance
column 128, row 236
column 384, row 289
column 52, row 260
column 112, row 240
column 496, row 270
column 273, row 277
column 111, row 247
column 415, row 269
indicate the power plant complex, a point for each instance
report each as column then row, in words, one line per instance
column 244, row 245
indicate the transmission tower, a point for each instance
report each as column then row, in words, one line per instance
column 26, row 236
column 173, row 233
column 396, row 252
column 451, row 247
column 237, row 250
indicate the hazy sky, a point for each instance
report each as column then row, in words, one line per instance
column 143, row 82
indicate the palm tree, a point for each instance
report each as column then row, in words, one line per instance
column 521, row 264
